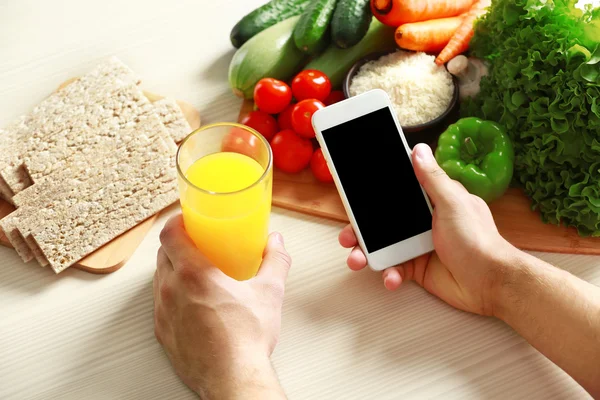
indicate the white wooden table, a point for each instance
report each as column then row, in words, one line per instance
column 80, row 336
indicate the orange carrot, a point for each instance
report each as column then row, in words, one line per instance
column 427, row 36
column 459, row 43
column 397, row 12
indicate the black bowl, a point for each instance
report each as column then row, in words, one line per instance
column 427, row 132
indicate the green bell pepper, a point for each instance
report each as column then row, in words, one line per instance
column 478, row 154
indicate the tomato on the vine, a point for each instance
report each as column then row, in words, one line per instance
column 285, row 118
column 319, row 167
column 272, row 95
column 291, row 153
column 302, row 117
column 262, row 122
column 311, row 84
column 334, row 97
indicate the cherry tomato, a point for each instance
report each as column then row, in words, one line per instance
column 241, row 141
column 272, row 96
column 334, row 97
column 319, row 167
column 311, row 84
column 285, row 118
column 262, row 122
column 302, row 117
column 291, row 153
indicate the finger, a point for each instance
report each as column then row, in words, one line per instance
column 179, row 247
column 434, row 180
column 155, row 287
column 395, row 276
column 357, row 259
column 162, row 329
column 392, row 278
column 164, row 269
column 419, row 268
column 276, row 261
column 460, row 187
column 163, row 264
column 164, row 291
column 347, row 238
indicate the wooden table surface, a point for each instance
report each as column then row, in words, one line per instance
column 80, row 336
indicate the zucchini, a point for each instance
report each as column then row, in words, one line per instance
column 264, row 17
column 350, row 22
column 269, row 54
column 311, row 34
column 336, row 62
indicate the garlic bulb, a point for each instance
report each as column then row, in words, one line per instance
column 469, row 71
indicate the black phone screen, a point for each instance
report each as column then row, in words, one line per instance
column 378, row 179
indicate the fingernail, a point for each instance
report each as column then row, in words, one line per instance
column 278, row 238
column 423, row 153
column 386, row 283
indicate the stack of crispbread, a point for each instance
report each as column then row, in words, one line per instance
column 87, row 164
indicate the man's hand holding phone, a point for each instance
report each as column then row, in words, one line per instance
column 471, row 259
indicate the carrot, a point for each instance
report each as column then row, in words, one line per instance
column 427, row 36
column 459, row 43
column 397, row 12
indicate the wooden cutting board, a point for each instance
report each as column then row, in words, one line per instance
column 115, row 254
column 514, row 218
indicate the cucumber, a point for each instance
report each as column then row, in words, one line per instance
column 311, row 34
column 264, row 17
column 269, row 54
column 350, row 22
column 336, row 62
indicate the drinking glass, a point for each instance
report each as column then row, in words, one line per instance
column 225, row 183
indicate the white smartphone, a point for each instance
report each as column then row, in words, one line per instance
column 371, row 164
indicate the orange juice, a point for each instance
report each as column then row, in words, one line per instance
column 229, row 225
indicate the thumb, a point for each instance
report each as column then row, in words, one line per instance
column 276, row 261
column 434, row 179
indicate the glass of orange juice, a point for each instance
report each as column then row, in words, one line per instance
column 225, row 184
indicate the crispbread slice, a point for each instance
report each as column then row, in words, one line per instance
column 79, row 228
column 81, row 223
column 171, row 115
column 97, row 129
column 103, row 227
column 5, row 191
column 9, row 226
column 8, row 138
column 63, row 111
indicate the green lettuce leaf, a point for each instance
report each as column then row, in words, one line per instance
column 544, row 87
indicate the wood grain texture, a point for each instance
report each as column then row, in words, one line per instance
column 77, row 335
column 114, row 254
column 512, row 213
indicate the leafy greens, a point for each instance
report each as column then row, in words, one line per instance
column 543, row 85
